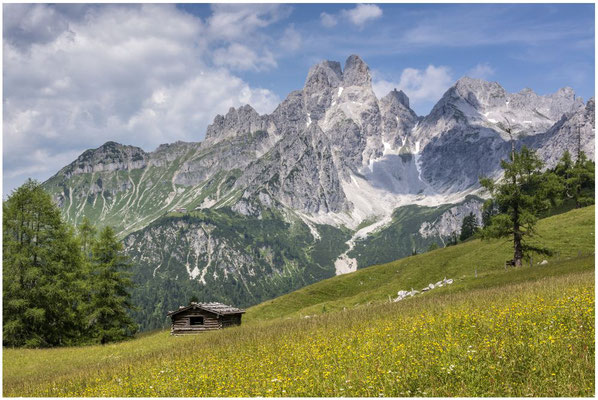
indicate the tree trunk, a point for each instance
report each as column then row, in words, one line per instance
column 518, row 253
column 518, row 249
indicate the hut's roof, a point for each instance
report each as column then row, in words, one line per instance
column 216, row 308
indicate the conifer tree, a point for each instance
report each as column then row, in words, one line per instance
column 452, row 240
column 42, row 272
column 523, row 193
column 108, row 320
column 87, row 235
column 433, row 246
column 578, row 178
column 469, row 227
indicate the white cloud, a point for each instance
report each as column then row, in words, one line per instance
column 328, row 20
column 291, row 39
column 362, row 14
column 136, row 74
column 423, row 87
column 481, row 71
column 240, row 57
column 241, row 21
column 358, row 16
column 28, row 24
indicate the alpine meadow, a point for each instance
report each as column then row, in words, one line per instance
column 401, row 227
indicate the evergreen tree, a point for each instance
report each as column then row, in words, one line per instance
column 469, row 227
column 108, row 320
column 433, row 246
column 489, row 209
column 42, row 272
column 520, row 197
column 578, row 178
column 193, row 299
column 87, row 236
column 452, row 240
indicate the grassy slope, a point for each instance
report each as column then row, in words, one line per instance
column 210, row 364
column 566, row 235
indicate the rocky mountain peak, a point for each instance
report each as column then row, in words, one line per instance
column 590, row 104
column 397, row 96
column 565, row 92
column 356, row 72
column 110, row 156
column 324, row 75
column 527, row 91
column 240, row 120
column 479, row 92
column 114, row 149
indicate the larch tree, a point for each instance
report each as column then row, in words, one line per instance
column 521, row 195
column 42, row 272
column 108, row 318
column 469, row 227
column 87, row 235
column 578, row 178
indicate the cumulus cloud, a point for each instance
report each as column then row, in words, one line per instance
column 291, row 39
column 140, row 74
column 240, row 21
column 358, row 16
column 27, row 24
column 238, row 56
column 328, row 20
column 481, row 71
column 424, row 87
column 362, row 14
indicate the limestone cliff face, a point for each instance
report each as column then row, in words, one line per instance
column 109, row 157
column 574, row 131
column 451, row 220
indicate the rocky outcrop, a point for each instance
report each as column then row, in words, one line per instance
column 242, row 121
column 299, row 172
column 451, row 220
column 398, row 119
column 574, row 132
column 356, row 72
column 403, row 294
column 109, row 157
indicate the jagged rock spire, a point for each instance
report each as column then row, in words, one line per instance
column 326, row 74
column 398, row 96
column 237, row 121
column 356, row 72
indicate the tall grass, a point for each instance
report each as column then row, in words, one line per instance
column 530, row 339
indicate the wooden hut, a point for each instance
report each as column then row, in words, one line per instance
column 199, row 317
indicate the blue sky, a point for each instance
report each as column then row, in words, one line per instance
column 76, row 76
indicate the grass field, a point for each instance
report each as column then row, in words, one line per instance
column 520, row 332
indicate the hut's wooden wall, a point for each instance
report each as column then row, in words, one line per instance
column 181, row 322
column 231, row 320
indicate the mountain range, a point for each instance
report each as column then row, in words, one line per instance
column 334, row 179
